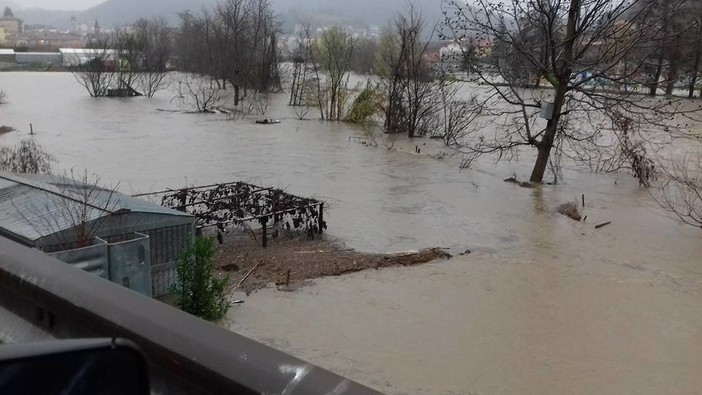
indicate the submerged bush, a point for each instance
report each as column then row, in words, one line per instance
column 365, row 106
column 26, row 157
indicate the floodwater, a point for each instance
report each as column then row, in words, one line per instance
column 543, row 304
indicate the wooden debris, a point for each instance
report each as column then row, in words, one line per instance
column 247, row 275
column 570, row 209
column 523, row 184
column 602, row 225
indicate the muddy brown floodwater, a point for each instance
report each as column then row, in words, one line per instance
column 544, row 304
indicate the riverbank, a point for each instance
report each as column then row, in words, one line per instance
column 292, row 261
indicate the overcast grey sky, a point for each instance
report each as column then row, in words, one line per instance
column 55, row 4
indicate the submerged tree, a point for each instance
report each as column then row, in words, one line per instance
column 405, row 75
column 126, row 61
column 155, row 53
column 304, row 70
column 198, row 92
column 587, row 58
column 333, row 57
column 235, row 45
column 97, row 73
column 680, row 193
column 128, row 45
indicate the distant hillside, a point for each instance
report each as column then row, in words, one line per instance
column 115, row 12
column 370, row 12
column 120, row 12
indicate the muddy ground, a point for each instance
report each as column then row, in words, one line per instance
column 291, row 261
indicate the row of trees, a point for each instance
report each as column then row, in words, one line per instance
column 405, row 91
column 679, row 44
column 578, row 79
column 565, row 78
column 610, row 42
column 234, row 46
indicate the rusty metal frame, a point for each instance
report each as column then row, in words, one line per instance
column 233, row 203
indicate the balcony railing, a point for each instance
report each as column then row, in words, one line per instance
column 186, row 354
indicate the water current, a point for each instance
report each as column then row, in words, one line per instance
column 543, row 304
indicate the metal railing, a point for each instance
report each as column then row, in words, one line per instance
column 186, row 354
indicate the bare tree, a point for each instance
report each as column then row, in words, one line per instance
column 585, row 49
column 452, row 117
column 155, row 54
column 680, row 193
column 333, row 56
column 364, row 56
column 694, row 40
column 3, row 97
column 97, row 73
column 129, row 45
column 80, row 196
column 236, row 45
column 303, row 69
column 198, row 92
column 195, row 52
column 77, row 207
column 405, row 75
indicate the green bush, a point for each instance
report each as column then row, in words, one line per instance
column 365, row 106
column 198, row 291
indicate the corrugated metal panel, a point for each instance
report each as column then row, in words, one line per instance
column 6, row 183
column 31, row 213
column 130, row 264
column 38, row 57
column 118, row 201
column 93, row 259
column 33, row 206
column 142, row 206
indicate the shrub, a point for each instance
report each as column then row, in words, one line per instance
column 365, row 105
column 26, row 157
column 198, row 290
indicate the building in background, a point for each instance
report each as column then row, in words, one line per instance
column 9, row 23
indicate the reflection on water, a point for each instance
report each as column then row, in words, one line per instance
column 544, row 304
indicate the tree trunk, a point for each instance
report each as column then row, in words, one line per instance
column 693, row 77
column 537, row 174
column 546, row 143
column 661, row 49
column 695, row 70
column 672, row 76
column 544, row 146
column 656, row 77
